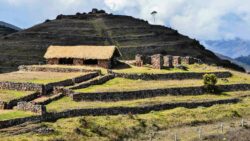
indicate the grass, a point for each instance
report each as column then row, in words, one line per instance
column 8, row 95
column 58, row 105
column 123, row 84
column 12, row 114
column 37, row 77
column 191, row 68
column 136, row 126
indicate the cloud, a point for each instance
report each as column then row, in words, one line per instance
column 200, row 19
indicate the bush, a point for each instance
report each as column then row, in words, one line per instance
column 210, row 81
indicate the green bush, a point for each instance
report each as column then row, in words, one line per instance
column 210, row 81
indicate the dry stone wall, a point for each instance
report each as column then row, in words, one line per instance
column 157, row 61
column 139, row 94
column 28, row 106
column 112, row 111
column 170, row 76
column 53, row 69
column 21, row 86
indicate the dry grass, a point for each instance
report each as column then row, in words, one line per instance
column 37, row 77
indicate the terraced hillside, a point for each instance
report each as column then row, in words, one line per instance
column 131, row 35
column 127, row 109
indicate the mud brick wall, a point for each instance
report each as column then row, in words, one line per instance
column 21, row 86
column 105, row 64
column 170, row 76
column 54, row 69
column 176, row 60
column 168, row 61
column 157, row 61
column 28, row 106
column 78, row 61
column 52, row 61
column 127, row 95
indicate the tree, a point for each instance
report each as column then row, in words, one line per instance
column 153, row 13
column 210, row 81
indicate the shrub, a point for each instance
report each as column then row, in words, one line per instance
column 210, row 81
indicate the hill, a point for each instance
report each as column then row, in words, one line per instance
column 131, row 35
column 233, row 48
column 244, row 59
column 239, row 61
column 6, row 28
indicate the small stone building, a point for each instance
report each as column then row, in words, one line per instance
column 157, row 61
column 103, row 56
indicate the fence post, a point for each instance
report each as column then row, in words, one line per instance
column 175, row 137
column 222, row 127
column 200, row 133
column 242, row 122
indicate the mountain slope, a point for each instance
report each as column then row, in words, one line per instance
column 244, row 59
column 234, row 48
column 6, row 29
column 131, row 35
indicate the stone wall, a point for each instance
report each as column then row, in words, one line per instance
column 53, row 69
column 157, row 61
column 95, row 81
column 112, row 111
column 21, row 86
column 170, row 76
column 2, row 105
column 176, row 60
column 28, row 106
column 168, row 61
column 52, row 61
column 104, row 63
column 139, row 60
column 139, row 94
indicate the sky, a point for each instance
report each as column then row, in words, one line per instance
column 199, row 19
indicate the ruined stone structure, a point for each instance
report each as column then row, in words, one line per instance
column 168, row 61
column 157, row 61
column 103, row 56
column 176, row 60
column 28, row 106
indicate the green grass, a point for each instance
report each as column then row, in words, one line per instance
column 191, row 68
column 59, row 104
column 12, row 114
column 8, row 95
column 127, row 126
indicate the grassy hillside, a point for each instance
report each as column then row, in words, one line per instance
column 131, row 35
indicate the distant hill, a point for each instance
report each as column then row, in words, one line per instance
column 6, row 28
column 233, row 48
column 244, row 59
column 246, row 66
column 131, row 35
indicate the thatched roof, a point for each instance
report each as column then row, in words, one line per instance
column 82, row 52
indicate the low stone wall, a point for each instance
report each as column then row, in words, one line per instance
column 12, row 103
column 85, row 77
column 171, row 76
column 2, row 105
column 28, row 106
column 21, row 86
column 126, row 95
column 113, row 111
column 53, row 69
column 49, row 100
column 96, row 81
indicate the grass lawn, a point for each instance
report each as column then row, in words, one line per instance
column 191, row 68
column 37, row 77
column 59, row 105
column 12, row 114
column 8, row 95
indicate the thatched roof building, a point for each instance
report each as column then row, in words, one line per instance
column 103, row 56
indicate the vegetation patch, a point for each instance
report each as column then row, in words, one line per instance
column 8, row 95
column 12, row 114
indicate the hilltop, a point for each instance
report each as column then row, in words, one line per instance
column 131, row 35
column 6, row 28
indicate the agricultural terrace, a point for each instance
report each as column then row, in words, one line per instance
column 8, row 95
column 38, row 77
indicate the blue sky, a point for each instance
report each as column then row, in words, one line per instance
column 200, row 19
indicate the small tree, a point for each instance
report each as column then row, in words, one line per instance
column 210, row 81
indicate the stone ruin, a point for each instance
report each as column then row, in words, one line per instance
column 158, row 61
column 28, row 106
